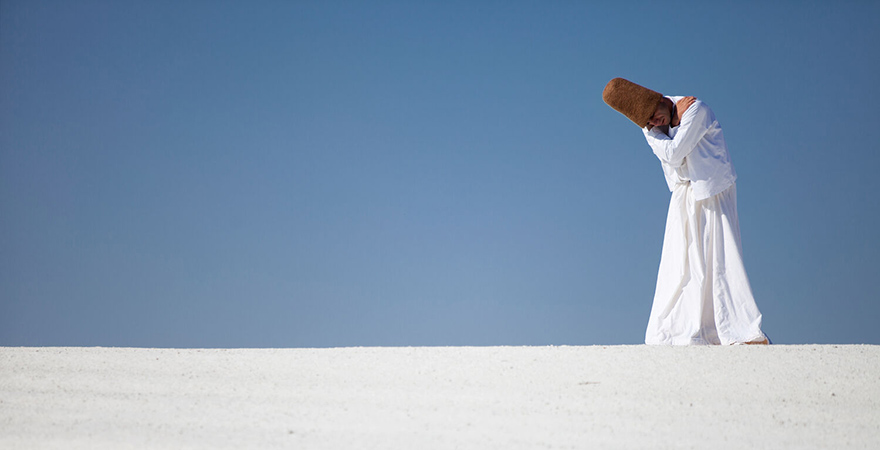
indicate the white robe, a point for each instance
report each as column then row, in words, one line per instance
column 703, row 295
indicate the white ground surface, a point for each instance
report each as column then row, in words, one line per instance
column 742, row 397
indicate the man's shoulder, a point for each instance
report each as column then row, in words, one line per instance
column 698, row 101
column 699, row 108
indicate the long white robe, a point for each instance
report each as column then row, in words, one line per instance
column 703, row 295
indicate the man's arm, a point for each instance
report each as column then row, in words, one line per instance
column 695, row 122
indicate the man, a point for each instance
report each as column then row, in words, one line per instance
column 703, row 295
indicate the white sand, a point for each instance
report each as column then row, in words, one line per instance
column 777, row 397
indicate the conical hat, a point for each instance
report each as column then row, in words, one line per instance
column 636, row 102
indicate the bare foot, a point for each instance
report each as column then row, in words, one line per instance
column 764, row 342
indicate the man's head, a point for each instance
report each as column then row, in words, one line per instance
column 637, row 103
column 663, row 113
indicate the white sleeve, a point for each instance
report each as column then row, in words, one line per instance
column 694, row 124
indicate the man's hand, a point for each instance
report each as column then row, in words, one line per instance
column 681, row 106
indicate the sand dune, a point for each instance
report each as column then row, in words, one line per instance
column 776, row 397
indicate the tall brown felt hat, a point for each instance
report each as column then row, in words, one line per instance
column 637, row 103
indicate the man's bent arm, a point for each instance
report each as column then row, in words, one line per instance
column 695, row 122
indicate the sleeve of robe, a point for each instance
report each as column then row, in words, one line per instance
column 695, row 122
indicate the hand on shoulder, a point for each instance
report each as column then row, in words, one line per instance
column 681, row 106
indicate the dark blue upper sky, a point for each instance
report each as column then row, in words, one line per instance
column 333, row 173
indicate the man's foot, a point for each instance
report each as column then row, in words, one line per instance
column 764, row 342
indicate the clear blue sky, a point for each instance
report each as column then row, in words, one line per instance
column 325, row 173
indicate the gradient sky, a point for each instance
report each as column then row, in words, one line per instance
column 332, row 173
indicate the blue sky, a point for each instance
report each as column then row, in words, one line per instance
column 314, row 174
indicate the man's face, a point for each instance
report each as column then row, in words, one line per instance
column 662, row 115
